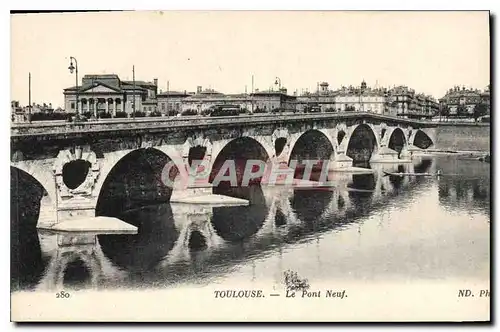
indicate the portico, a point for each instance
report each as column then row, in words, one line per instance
column 107, row 96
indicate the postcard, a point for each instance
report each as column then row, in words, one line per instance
column 250, row 166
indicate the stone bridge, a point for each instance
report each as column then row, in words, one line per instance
column 86, row 169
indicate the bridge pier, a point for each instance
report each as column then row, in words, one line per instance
column 387, row 155
column 341, row 161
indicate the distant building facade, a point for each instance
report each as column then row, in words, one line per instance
column 361, row 99
column 273, row 101
column 464, row 99
column 170, row 102
column 406, row 103
column 323, row 100
column 107, row 94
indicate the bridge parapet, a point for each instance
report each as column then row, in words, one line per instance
column 26, row 129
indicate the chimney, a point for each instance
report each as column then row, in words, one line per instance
column 155, row 81
column 198, row 89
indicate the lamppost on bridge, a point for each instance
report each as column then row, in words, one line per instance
column 278, row 81
column 71, row 69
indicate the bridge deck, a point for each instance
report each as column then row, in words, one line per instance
column 173, row 123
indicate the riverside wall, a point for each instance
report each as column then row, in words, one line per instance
column 463, row 137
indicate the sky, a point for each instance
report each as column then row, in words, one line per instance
column 428, row 51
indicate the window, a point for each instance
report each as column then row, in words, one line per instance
column 163, row 106
column 72, row 105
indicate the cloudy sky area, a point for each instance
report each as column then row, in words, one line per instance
column 428, row 51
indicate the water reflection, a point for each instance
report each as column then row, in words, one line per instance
column 76, row 274
column 469, row 186
column 309, row 205
column 142, row 251
column 237, row 223
column 178, row 243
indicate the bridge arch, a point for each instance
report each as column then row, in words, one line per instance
column 313, row 144
column 26, row 205
column 44, row 177
column 240, row 150
column 421, row 140
column 145, row 175
column 397, row 140
column 363, row 143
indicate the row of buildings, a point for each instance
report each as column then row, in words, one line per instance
column 465, row 99
column 109, row 96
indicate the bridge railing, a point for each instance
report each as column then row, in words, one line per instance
column 190, row 121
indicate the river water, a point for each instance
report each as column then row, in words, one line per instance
column 369, row 227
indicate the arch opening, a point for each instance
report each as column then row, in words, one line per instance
column 279, row 145
column 311, row 145
column 361, row 145
column 382, row 133
column 196, row 153
column 27, row 263
column 237, row 153
column 397, row 141
column 340, row 136
column 75, row 172
column 422, row 140
column 135, row 181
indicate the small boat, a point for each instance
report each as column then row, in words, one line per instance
column 412, row 174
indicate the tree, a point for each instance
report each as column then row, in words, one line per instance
column 462, row 110
column 480, row 110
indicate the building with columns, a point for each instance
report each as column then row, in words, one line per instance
column 107, row 95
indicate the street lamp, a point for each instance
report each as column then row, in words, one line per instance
column 71, row 69
column 278, row 81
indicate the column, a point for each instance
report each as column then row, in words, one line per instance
column 107, row 105
column 95, row 108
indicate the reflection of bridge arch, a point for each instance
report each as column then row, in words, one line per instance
column 64, row 257
column 191, row 221
column 156, row 236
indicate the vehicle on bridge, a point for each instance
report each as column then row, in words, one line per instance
column 312, row 109
column 223, row 110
